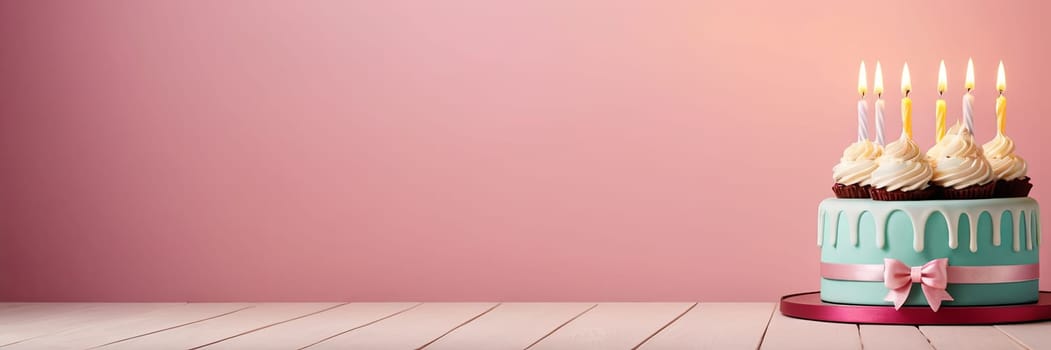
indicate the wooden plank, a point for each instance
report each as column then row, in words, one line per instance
column 716, row 326
column 220, row 328
column 968, row 337
column 31, row 312
column 410, row 329
column 314, row 328
column 791, row 333
column 100, row 333
column 16, row 332
column 1032, row 335
column 511, row 326
column 877, row 337
column 614, row 326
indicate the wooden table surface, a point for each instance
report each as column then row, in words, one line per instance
column 481, row 325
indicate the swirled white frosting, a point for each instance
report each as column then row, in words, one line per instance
column 902, row 167
column 1006, row 165
column 857, row 163
column 958, row 162
column 933, row 153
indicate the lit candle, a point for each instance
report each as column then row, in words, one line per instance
column 878, row 89
column 906, row 102
column 863, row 109
column 968, row 99
column 1001, row 102
column 939, row 113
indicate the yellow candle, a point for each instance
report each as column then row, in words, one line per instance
column 939, row 113
column 906, row 102
column 1001, row 102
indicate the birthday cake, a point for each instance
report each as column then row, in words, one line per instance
column 952, row 226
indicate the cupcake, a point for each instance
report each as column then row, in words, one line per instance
column 853, row 173
column 1009, row 170
column 960, row 168
column 902, row 173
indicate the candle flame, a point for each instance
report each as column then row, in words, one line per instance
column 1001, row 80
column 969, row 82
column 942, row 80
column 863, row 84
column 878, row 87
column 906, row 81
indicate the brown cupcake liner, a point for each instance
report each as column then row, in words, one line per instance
column 881, row 194
column 850, row 191
column 1012, row 189
column 972, row 192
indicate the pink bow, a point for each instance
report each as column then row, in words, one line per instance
column 932, row 277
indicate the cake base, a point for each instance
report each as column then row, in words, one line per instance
column 809, row 306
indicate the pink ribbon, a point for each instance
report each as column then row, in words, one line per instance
column 932, row 277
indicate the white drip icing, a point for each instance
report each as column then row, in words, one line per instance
column 1028, row 234
column 918, row 214
column 880, row 217
column 820, row 226
column 854, row 227
column 973, row 219
column 1036, row 227
column 835, row 227
column 919, row 228
column 954, row 240
column 997, row 220
column 1015, row 218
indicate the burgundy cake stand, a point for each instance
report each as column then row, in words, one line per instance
column 809, row 306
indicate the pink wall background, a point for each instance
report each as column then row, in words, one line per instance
column 460, row 150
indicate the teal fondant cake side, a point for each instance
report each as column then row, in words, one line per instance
column 995, row 233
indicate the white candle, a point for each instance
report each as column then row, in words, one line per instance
column 863, row 109
column 968, row 110
column 863, row 115
column 968, row 99
column 878, row 89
